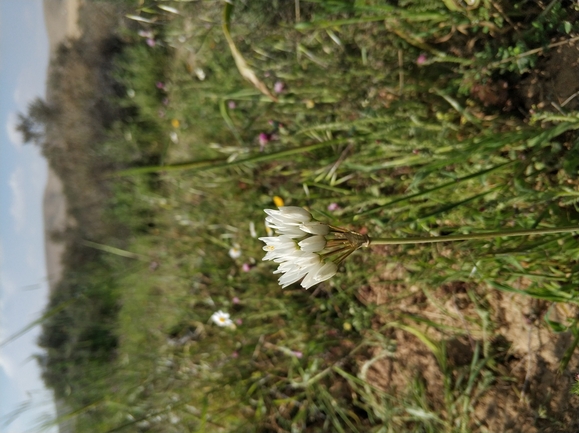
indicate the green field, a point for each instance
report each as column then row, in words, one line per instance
column 390, row 118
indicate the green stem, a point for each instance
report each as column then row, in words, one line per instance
column 490, row 235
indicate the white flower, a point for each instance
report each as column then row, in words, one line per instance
column 294, row 221
column 279, row 247
column 222, row 319
column 200, row 74
column 298, row 247
column 235, row 252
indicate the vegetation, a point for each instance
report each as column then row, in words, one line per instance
column 396, row 119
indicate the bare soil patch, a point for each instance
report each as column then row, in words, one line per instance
column 554, row 84
column 527, row 393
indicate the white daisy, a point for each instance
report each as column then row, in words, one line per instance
column 235, row 252
column 222, row 319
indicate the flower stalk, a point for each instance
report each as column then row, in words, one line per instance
column 466, row 237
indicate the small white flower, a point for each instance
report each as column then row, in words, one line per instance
column 290, row 213
column 287, row 220
column 306, row 266
column 222, row 319
column 315, row 228
column 235, row 252
column 313, row 244
column 278, row 247
column 200, row 73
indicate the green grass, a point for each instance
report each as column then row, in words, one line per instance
column 403, row 149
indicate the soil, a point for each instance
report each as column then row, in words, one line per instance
column 554, row 84
column 527, row 394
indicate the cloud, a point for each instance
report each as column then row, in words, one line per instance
column 29, row 85
column 14, row 136
column 18, row 207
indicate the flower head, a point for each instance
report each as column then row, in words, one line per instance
column 222, row 319
column 235, row 252
column 263, row 139
column 278, row 87
column 306, row 250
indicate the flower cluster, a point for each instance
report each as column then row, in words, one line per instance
column 306, row 249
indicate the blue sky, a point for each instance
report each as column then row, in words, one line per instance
column 23, row 289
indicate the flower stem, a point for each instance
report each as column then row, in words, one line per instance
column 489, row 235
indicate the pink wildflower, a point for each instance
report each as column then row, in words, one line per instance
column 263, row 140
column 146, row 34
column 333, row 206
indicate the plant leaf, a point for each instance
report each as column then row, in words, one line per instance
column 245, row 71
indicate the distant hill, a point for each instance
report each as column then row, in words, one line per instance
column 61, row 20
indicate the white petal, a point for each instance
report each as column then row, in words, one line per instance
column 304, row 258
column 309, row 280
column 278, row 241
column 293, row 232
column 315, row 228
column 296, row 213
column 327, row 271
column 298, row 272
column 281, row 221
column 290, row 278
column 313, row 244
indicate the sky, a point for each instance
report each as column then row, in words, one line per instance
column 24, row 55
